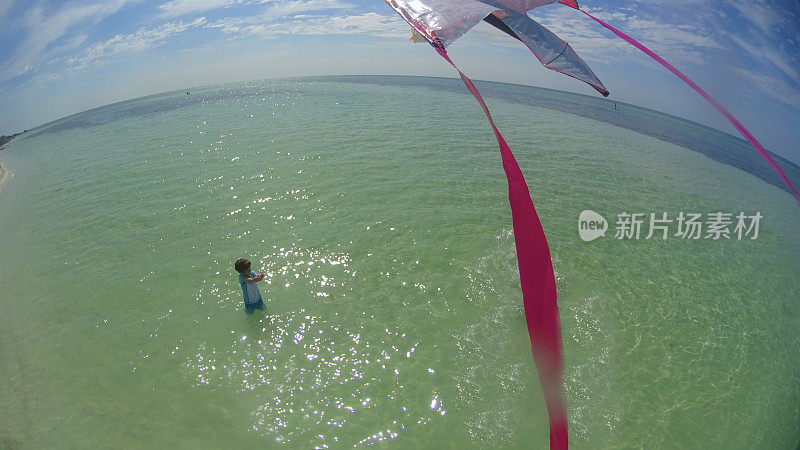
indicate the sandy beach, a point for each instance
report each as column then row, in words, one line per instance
column 4, row 174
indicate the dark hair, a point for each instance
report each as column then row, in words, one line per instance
column 242, row 265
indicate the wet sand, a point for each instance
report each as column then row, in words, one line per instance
column 4, row 175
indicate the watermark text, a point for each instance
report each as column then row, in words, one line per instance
column 663, row 225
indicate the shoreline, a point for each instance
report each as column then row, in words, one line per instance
column 5, row 174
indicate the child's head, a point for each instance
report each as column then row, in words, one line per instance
column 242, row 265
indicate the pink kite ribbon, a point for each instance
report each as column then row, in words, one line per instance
column 537, row 280
column 735, row 122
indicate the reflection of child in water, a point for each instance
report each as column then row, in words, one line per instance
column 248, row 280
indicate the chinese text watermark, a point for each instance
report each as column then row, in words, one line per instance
column 689, row 226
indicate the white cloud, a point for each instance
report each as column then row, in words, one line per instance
column 144, row 38
column 760, row 14
column 287, row 8
column 668, row 34
column 681, row 43
column 177, row 8
column 276, row 11
column 70, row 44
column 776, row 88
column 372, row 23
column 769, row 54
column 43, row 27
column 584, row 35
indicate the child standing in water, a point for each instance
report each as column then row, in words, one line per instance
column 248, row 280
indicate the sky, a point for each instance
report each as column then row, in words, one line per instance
column 60, row 57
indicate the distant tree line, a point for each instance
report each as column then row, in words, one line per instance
column 6, row 139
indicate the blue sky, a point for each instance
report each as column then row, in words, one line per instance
column 63, row 57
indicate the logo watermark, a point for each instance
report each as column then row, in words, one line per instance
column 688, row 226
column 591, row 225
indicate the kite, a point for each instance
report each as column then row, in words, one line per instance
column 440, row 22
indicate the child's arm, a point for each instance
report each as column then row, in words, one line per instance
column 255, row 279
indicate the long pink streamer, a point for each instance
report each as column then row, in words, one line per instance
column 537, row 280
column 738, row 125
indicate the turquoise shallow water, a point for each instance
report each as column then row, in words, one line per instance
column 394, row 312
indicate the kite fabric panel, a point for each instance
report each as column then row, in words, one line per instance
column 552, row 52
column 521, row 6
column 441, row 21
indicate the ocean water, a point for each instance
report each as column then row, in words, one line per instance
column 377, row 209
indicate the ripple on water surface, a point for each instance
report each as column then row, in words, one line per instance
column 393, row 302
